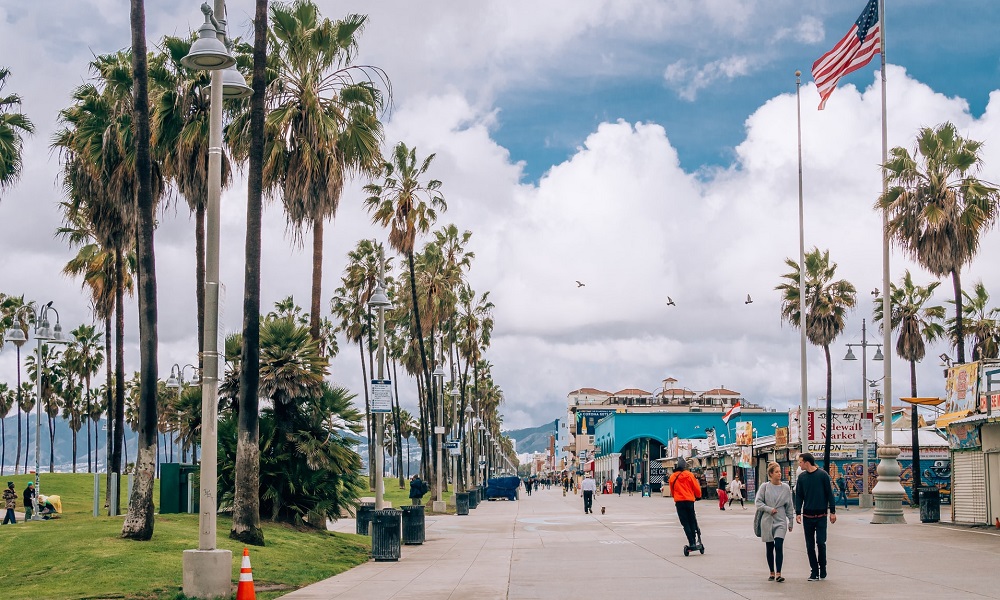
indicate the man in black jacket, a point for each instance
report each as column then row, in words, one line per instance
column 417, row 490
column 813, row 498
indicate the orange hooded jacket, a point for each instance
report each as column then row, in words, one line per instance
column 684, row 486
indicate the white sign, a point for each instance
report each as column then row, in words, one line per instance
column 867, row 430
column 845, row 427
column 381, row 396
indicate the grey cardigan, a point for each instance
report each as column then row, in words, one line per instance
column 769, row 497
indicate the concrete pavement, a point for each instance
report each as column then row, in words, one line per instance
column 544, row 546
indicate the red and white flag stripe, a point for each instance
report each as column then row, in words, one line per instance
column 732, row 412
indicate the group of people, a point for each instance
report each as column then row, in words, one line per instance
column 10, row 502
column 812, row 505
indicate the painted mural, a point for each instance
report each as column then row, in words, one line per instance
column 935, row 471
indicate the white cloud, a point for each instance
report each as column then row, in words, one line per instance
column 689, row 80
column 809, row 30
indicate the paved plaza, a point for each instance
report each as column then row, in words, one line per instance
column 544, row 546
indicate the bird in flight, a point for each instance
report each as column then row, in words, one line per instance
column 580, row 283
column 749, row 300
column 875, row 292
column 670, row 301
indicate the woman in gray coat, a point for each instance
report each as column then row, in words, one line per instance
column 774, row 501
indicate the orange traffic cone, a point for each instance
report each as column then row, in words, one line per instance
column 245, row 591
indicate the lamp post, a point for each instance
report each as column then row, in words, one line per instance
column 469, row 448
column 380, row 302
column 207, row 571
column 865, row 500
column 438, row 375
column 44, row 332
column 176, row 381
column 455, row 433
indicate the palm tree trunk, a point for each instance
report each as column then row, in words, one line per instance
column 139, row 521
column 110, row 410
column 914, row 434
column 52, row 444
column 956, row 281
column 88, row 420
column 399, row 431
column 423, row 352
column 119, row 438
column 17, row 459
column 3, row 444
column 315, row 309
column 74, row 448
column 246, row 499
column 829, row 409
column 422, row 438
column 199, row 251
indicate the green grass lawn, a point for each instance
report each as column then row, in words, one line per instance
column 80, row 556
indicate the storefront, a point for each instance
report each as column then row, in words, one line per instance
column 974, row 443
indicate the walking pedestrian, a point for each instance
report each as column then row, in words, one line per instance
column 10, row 501
column 589, row 486
column 736, row 491
column 813, row 498
column 774, row 499
column 842, row 490
column 417, row 490
column 618, row 485
column 29, row 500
column 723, row 496
column 685, row 490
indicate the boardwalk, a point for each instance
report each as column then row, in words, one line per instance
column 545, row 547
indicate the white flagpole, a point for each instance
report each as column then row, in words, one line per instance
column 802, row 278
column 888, row 491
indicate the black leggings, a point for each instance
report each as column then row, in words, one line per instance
column 775, row 554
column 737, row 497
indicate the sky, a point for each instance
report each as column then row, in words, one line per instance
column 647, row 149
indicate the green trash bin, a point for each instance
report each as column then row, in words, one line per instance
column 174, row 479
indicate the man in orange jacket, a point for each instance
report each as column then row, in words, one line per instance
column 685, row 490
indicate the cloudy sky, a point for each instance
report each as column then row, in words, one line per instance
column 645, row 148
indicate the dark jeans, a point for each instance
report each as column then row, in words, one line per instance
column 588, row 501
column 775, row 554
column 843, row 497
column 9, row 517
column 685, row 512
column 815, row 530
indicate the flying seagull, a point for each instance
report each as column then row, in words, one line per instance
column 749, row 300
column 875, row 292
column 670, row 301
column 580, row 283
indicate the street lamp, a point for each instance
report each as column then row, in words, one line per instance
column 438, row 375
column 865, row 500
column 176, row 381
column 44, row 332
column 380, row 302
column 469, row 447
column 455, row 433
column 207, row 571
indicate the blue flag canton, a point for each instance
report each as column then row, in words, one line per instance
column 867, row 20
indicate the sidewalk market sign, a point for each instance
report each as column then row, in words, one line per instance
column 846, row 427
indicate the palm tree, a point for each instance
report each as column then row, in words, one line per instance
column 26, row 399
column 51, row 378
column 180, row 140
column 827, row 302
column 88, row 344
column 937, row 209
column 917, row 324
column 325, row 110
column 406, row 427
column 246, row 490
column 408, row 207
column 981, row 324
column 475, row 321
column 13, row 127
column 9, row 307
column 7, row 400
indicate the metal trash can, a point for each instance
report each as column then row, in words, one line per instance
column 462, row 503
column 363, row 517
column 413, row 525
column 386, row 534
column 930, row 505
column 473, row 499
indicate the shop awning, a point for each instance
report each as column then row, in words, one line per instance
column 943, row 420
column 924, row 401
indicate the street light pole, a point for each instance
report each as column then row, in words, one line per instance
column 865, row 501
column 438, row 505
column 380, row 302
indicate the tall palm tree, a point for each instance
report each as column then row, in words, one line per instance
column 9, row 307
column 13, row 127
column 917, row 324
column 26, row 399
column 981, row 324
column 475, row 321
column 246, row 489
column 8, row 398
column 325, row 111
column 937, row 209
column 180, row 140
column 827, row 302
column 88, row 343
column 407, row 207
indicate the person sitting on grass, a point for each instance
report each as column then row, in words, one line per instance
column 49, row 507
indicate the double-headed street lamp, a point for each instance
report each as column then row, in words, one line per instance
column 207, row 571
column 469, row 446
column 44, row 332
column 176, row 381
column 865, row 500
column 380, row 302
column 438, row 376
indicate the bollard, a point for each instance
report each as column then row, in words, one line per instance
column 97, row 493
column 190, row 506
column 413, row 525
column 386, row 530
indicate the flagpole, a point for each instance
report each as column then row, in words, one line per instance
column 803, row 374
column 888, row 491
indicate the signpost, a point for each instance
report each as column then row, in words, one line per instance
column 381, row 396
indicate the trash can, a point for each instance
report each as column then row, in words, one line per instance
column 473, row 499
column 363, row 517
column 930, row 505
column 174, row 487
column 462, row 503
column 386, row 534
column 413, row 525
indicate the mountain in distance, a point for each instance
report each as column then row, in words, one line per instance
column 533, row 439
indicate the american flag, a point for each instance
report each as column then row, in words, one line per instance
column 856, row 50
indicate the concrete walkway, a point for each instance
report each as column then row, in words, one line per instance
column 544, row 546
